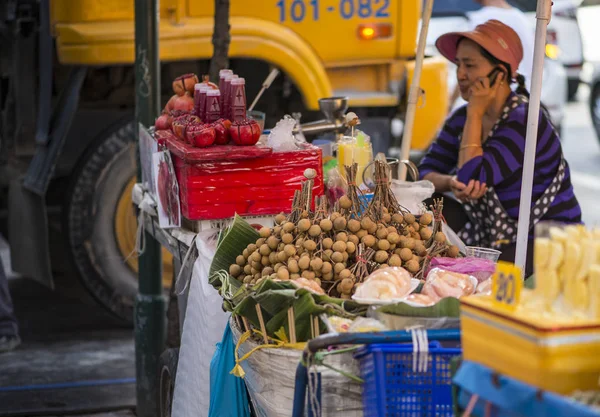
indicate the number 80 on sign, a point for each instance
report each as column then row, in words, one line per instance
column 507, row 283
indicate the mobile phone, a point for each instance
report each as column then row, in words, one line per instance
column 493, row 75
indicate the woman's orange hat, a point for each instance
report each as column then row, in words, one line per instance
column 499, row 40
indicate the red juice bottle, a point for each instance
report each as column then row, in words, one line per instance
column 200, row 90
column 213, row 110
column 238, row 99
column 222, row 74
column 225, row 109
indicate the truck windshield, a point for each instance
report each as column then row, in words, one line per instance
column 460, row 7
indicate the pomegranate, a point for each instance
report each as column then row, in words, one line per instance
column 221, row 127
column 185, row 83
column 184, row 102
column 163, row 122
column 200, row 135
column 245, row 132
column 181, row 122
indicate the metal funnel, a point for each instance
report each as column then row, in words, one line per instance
column 333, row 108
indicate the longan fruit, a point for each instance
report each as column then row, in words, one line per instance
column 420, row 249
column 267, row 271
column 339, row 246
column 345, row 255
column 408, row 243
column 251, row 248
column 277, row 266
column 308, row 274
column 416, row 226
column 326, row 268
column 393, row 238
column 339, row 223
column 398, row 218
column 304, row 225
column 346, row 285
column 326, row 225
column 248, row 269
column 290, row 250
column 288, row 227
column 337, row 257
column 316, row 264
column 409, row 218
column 425, row 233
column 453, row 251
column 328, row 276
column 277, row 230
column 294, row 276
column 265, row 250
column 283, row 274
column 381, row 256
column 245, row 253
column 426, row 219
column 282, row 256
column 304, row 263
column 334, row 215
column 366, row 223
column 287, row 238
column 265, row 261
column 260, row 242
column 353, row 225
column 395, row 261
column 314, row 230
column 345, row 202
column 354, row 239
column 350, row 247
column 361, row 233
column 342, row 236
column 413, row 266
column 280, row 218
column 369, row 241
column 274, row 257
column 440, row 237
column 345, row 273
column 339, row 267
column 292, row 266
column 406, row 254
column 386, row 218
column 248, row 279
column 235, row 270
column 310, row 245
column 327, row 254
column 383, row 245
column 240, row 260
column 381, row 232
column 264, row 232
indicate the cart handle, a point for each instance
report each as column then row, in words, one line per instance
column 398, row 336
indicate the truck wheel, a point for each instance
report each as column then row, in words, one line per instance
column 101, row 224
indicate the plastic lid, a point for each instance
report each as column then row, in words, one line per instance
column 238, row 81
column 224, row 72
column 231, row 76
column 202, row 86
column 213, row 93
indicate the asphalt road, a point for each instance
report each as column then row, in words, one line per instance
column 582, row 151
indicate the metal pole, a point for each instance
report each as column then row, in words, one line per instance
column 150, row 303
column 413, row 93
column 544, row 11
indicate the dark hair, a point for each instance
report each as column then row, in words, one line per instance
column 521, row 88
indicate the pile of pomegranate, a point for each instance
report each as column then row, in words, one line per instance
column 181, row 117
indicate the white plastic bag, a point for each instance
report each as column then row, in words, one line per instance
column 411, row 194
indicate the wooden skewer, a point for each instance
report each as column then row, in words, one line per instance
column 261, row 321
column 246, row 325
column 317, row 327
column 293, row 325
column 312, row 328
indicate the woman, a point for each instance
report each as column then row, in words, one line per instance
column 478, row 155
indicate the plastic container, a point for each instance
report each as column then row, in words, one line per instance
column 226, row 94
column 259, row 116
column 483, row 253
column 237, row 100
column 212, row 111
column 551, row 355
column 219, row 181
column 392, row 388
column 222, row 74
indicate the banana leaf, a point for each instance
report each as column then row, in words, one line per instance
column 231, row 244
column 447, row 307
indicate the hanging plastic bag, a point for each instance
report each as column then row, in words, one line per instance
column 411, row 194
column 228, row 394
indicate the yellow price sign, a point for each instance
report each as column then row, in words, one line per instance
column 507, row 283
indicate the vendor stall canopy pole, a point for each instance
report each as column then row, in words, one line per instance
column 150, row 304
column 413, row 93
column 543, row 13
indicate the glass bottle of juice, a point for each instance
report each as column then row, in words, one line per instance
column 222, row 74
column 212, row 109
column 238, row 99
column 225, row 109
column 200, row 90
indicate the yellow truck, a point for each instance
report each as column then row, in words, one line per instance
column 67, row 150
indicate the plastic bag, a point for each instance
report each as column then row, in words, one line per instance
column 411, row 194
column 228, row 395
column 443, row 283
column 281, row 138
column 479, row 268
column 335, row 187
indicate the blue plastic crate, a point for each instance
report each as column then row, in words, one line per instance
column 391, row 388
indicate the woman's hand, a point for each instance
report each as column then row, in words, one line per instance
column 464, row 192
column 481, row 95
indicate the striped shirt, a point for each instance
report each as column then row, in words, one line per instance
column 501, row 165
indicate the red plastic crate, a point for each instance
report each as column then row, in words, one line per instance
column 220, row 181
